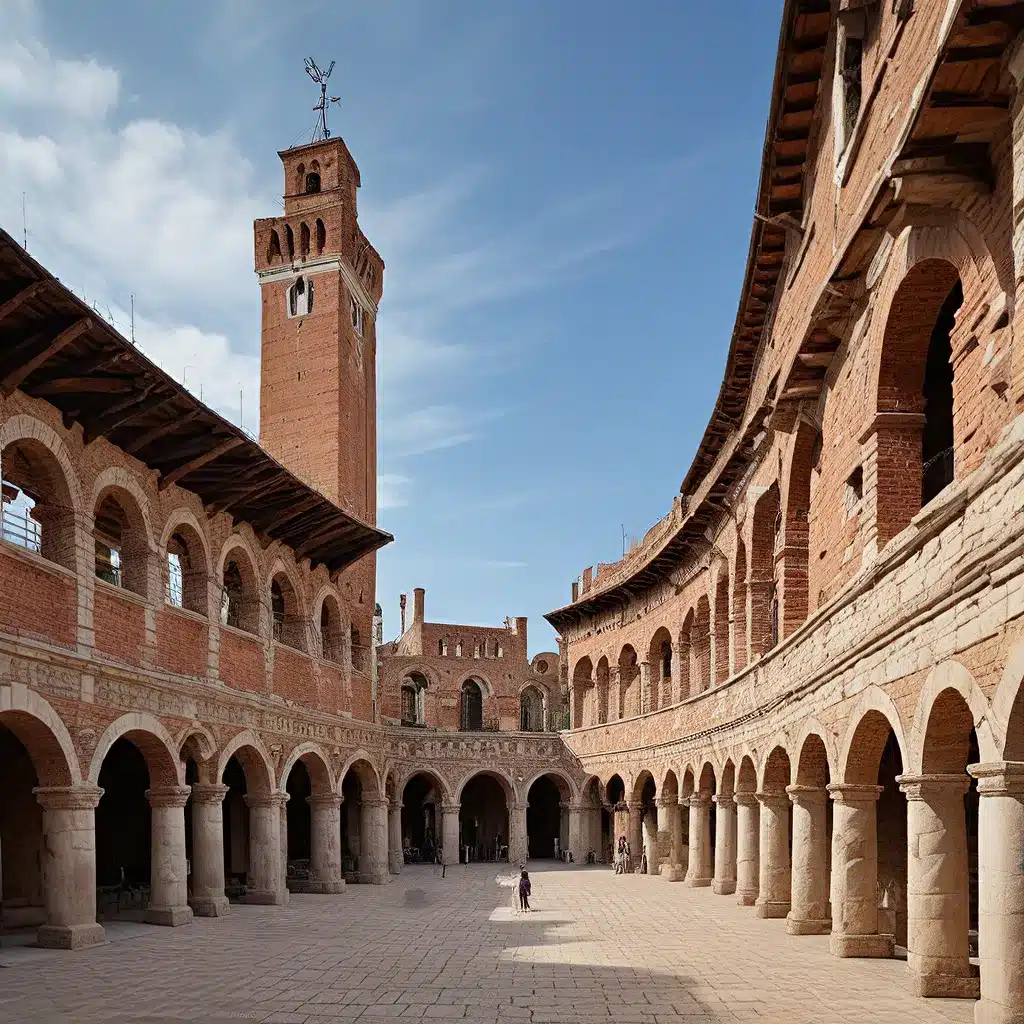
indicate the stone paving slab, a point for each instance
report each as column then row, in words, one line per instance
column 598, row 947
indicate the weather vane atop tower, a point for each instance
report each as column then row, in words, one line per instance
column 321, row 131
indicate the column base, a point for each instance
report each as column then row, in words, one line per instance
column 73, row 936
column 265, row 898
column 807, row 926
column 943, row 986
column 169, row 917
column 317, row 886
column 772, row 909
column 723, row 886
column 987, row 1012
column 748, row 898
column 209, row 906
column 374, row 877
column 875, row 947
column 671, row 872
column 697, row 883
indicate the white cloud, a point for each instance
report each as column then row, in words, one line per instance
column 392, row 491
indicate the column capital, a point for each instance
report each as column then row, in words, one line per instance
column 83, row 797
column 722, row 798
column 664, row 801
column 451, row 808
column 999, row 778
column 853, row 793
column 324, row 800
column 701, row 799
column 925, row 787
column 805, row 796
column 275, row 799
column 768, row 798
column 747, row 798
column 168, row 796
column 374, row 802
column 209, row 792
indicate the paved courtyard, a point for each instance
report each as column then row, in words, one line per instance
column 597, row 947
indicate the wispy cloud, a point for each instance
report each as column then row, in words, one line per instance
column 497, row 563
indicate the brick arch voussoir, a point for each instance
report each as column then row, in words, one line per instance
column 156, row 744
column 114, row 479
column 243, row 740
column 317, row 763
column 375, row 779
column 23, row 427
column 17, row 701
column 813, row 727
column 873, row 698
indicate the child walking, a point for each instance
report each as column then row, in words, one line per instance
column 524, row 890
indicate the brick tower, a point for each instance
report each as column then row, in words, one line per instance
column 321, row 282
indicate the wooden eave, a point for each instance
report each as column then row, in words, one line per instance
column 54, row 347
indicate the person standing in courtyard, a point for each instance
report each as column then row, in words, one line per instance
column 524, row 890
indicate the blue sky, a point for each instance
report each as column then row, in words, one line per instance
column 562, row 193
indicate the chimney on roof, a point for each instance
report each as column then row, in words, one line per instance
column 417, row 606
column 401, row 605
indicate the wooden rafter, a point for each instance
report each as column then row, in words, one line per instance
column 200, row 460
column 68, row 335
column 140, row 442
column 26, row 293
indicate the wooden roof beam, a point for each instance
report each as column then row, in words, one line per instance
column 17, row 376
column 200, row 460
column 124, row 412
column 151, row 435
column 26, row 293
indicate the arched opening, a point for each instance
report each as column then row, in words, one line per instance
column 289, row 238
column 359, row 652
column 792, row 567
column 629, row 683
column 307, row 782
column 721, row 666
column 916, row 380
column 707, row 788
column 421, row 819
column 414, row 692
column 120, row 543
column 289, row 625
column 332, row 632
column 299, row 786
column 312, row 183
column 739, row 608
column 361, row 855
column 700, row 645
column 442, row 648
column 483, row 820
column 811, row 843
column 645, row 843
column 764, row 616
column 248, row 781
column 544, row 828
column 303, row 239
column 471, row 712
column 300, row 297
column 659, row 656
column 273, row 248
column 321, row 236
column 531, row 710
column 240, row 604
column 603, row 673
column 584, row 694
column 123, row 832
column 685, row 658
column 186, row 571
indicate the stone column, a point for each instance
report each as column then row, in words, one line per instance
column 672, row 691
column 69, row 866
column 645, row 687
column 373, row 841
column 450, row 833
column 635, row 832
column 168, row 903
column 1000, row 891
column 263, row 881
column 650, row 825
column 518, row 841
column 670, row 825
column 325, row 844
column 855, row 873
column 810, row 913
column 698, row 873
column 748, row 848
column 725, row 844
column 282, row 820
column 208, row 899
column 938, row 956
column 774, row 897
column 396, row 857
column 576, row 844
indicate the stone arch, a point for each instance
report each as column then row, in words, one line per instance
column 668, row 788
column 660, row 657
column 403, row 779
column 40, row 730
column 241, row 601
column 155, row 744
column 642, row 778
column 872, row 718
column 369, row 778
column 615, row 788
column 776, row 772
column 287, row 607
column 185, row 537
column 688, row 786
column 951, row 676
column 584, row 694
column 568, row 790
column 708, row 779
column 199, row 739
column 815, row 755
column 27, row 428
column 317, row 764
column 256, row 762
column 746, row 777
column 499, row 775
column 727, row 785
column 120, row 509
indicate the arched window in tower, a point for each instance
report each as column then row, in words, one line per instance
column 300, row 297
column 312, row 183
column 289, row 241
column 303, row 239
column 472, row 717
column 321, row 236
column 273, row 247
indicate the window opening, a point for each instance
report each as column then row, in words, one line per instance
column 937, row 440
column 19, row 526
column 666, row 660
column 303, row 239
column 231, row 600
column 300, row 297
column 108, row 535
column 357, row 649
column 442, row 648
column 277, row 608
column 290, row 241
column 175, row 580
column 321, row 236
column 531, row 711
column 458, row 649
column 472, row 717
column 358, row 317
column 273, row 247
column 408, row 705
column 312, row 183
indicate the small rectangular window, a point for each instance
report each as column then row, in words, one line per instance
column 854, row 491
column 358, row 317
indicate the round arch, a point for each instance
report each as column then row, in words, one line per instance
column 502, row 778
column 366, row 771
column 40, row 730
column 403, row 779
column 571, row 790
column 27, row 428
column 184, row 516
column 114, row 479
column 317, row 764
column 486, row 687
column 873, row 699
column 200, row 738
column 248, row 748
column 155, row 743
column 812, row 727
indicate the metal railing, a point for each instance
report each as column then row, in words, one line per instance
column 21, row 529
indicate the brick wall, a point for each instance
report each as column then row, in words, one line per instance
column 120, row 625
column 36, row 599
column 293, row 676
column 241, row 661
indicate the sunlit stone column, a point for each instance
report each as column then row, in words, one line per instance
column 69, row 866
column 669, row 822
column 1000, row 891
column 725, row 844
column 168, row 904
column 810, row 913
column 682, row 831
column 650, row 824
column 373, row 841
column 634, row 831
column 855, row 873
column 208, row 899
column 576, row 844
column 325, row 846
column 773, row 900
column 450, row 833
column 395, row 855
column 263, row 884
column 698, row 872
column 282, row 822
column 748, row 848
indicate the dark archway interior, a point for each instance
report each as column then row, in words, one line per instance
column 616, row 790
column 123, row 824
column 607, row 842
column 236, row 828
column 351, row 807
column 191, row 777
column 971, row 799
column 892, row 844
column 21, row 831
column 300, row 820
column 937, row 439
column 543, row 817
column 421, row 816
column 483, row 818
